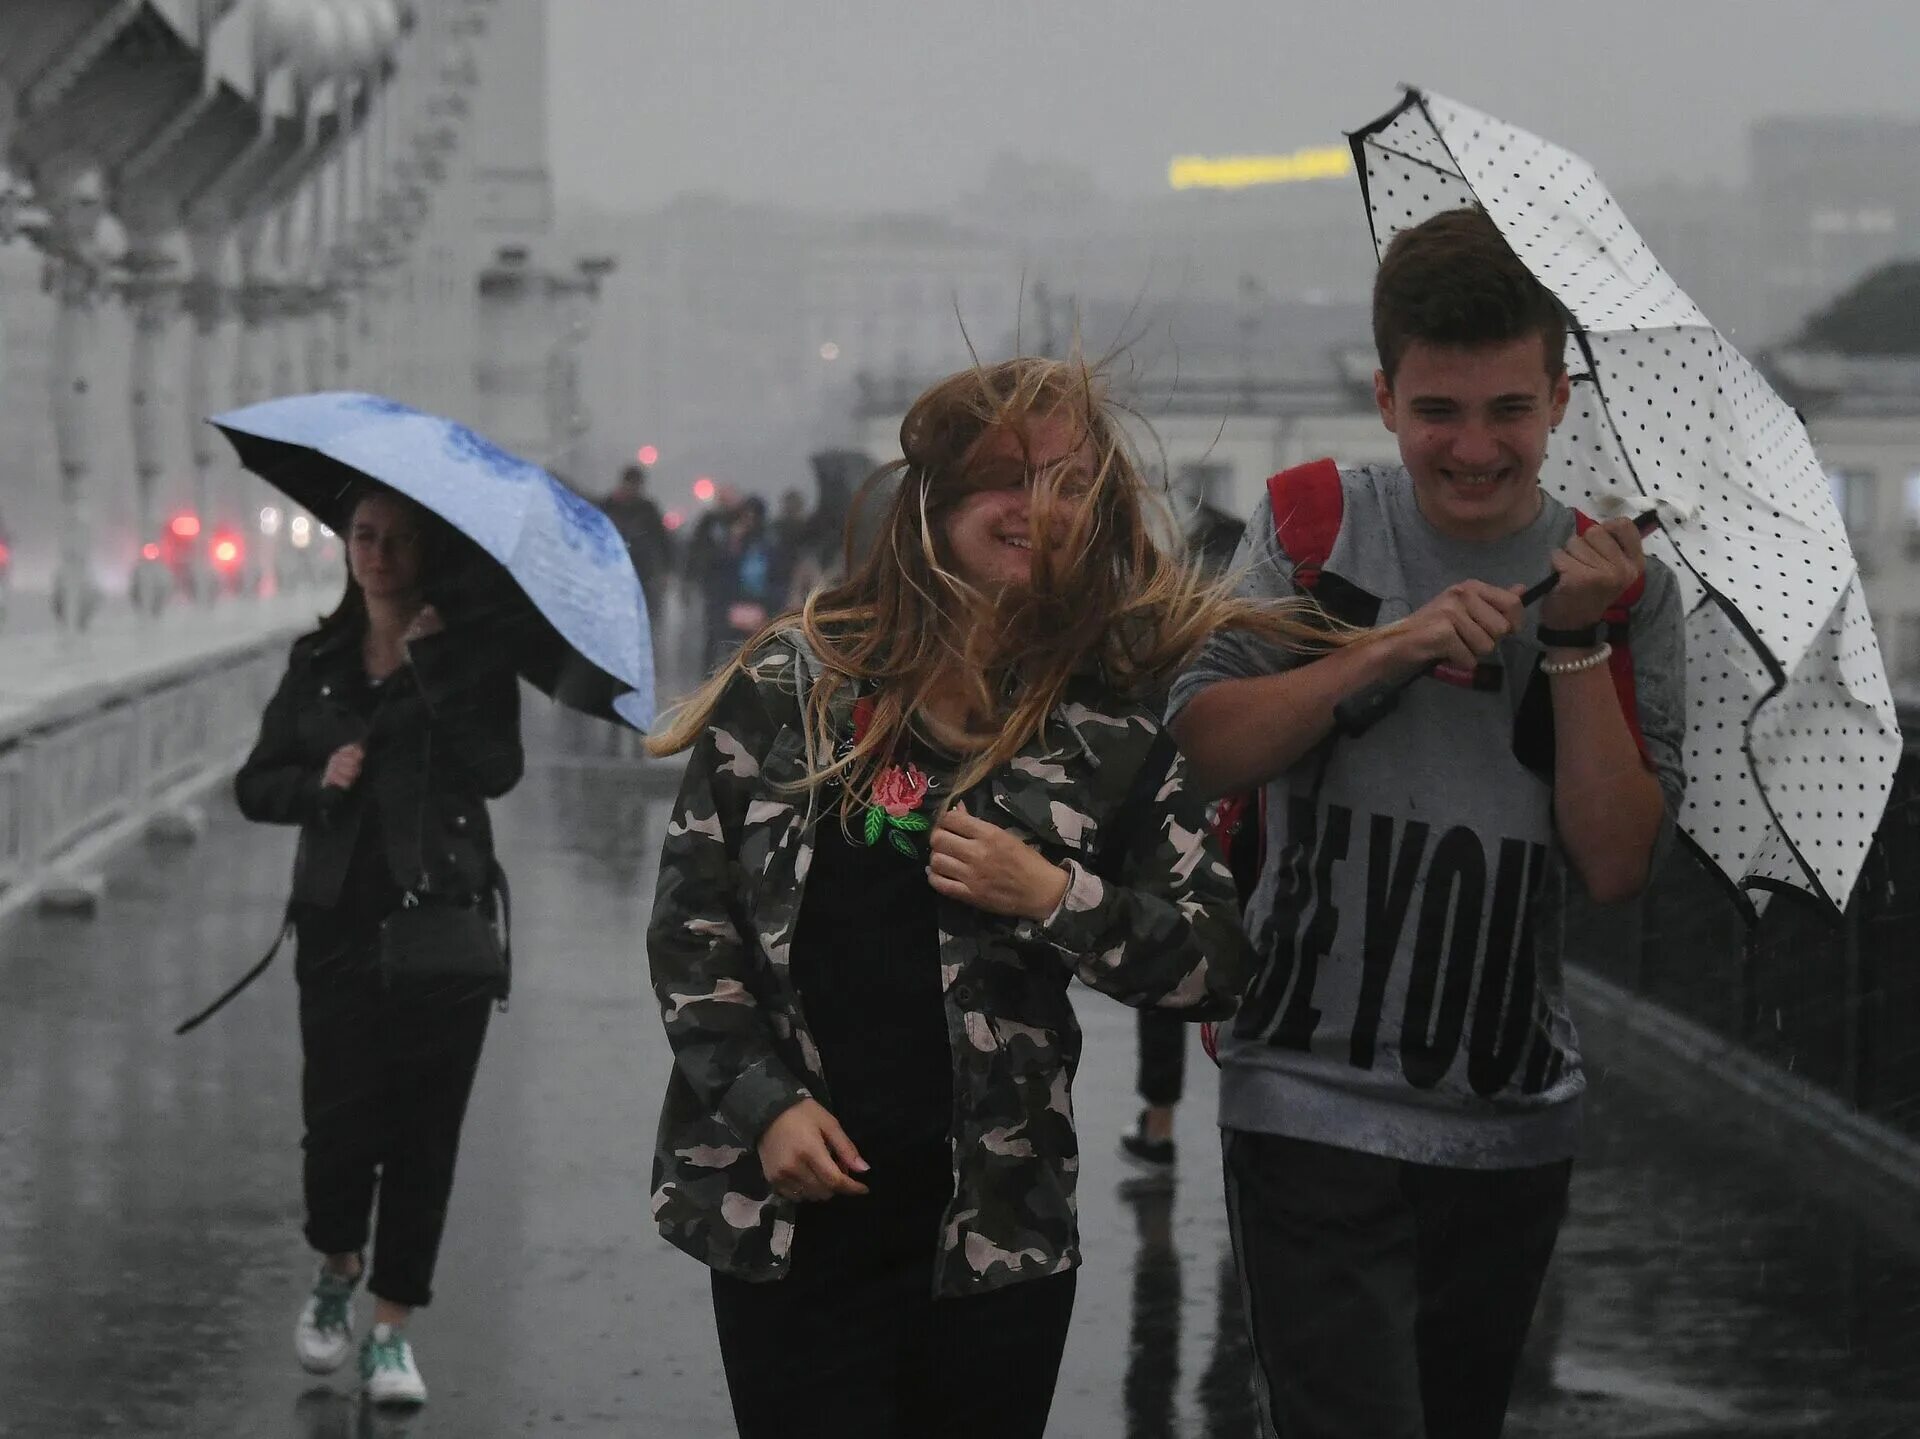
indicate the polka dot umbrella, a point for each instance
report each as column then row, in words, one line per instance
column 1792, row 738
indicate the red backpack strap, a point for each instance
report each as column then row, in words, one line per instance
column 1620, row 662
column 1308, row 505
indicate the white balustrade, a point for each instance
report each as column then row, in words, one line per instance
column 77, row 777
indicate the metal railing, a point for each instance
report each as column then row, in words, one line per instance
column 1832, row 1006
column 71, row 779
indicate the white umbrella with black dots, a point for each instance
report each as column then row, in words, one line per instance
column 1792, row 737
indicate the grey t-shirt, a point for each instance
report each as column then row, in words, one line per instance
column 1409, row 916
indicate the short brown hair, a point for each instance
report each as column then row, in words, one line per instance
column 1453, row 280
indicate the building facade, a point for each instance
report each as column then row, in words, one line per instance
column 729, row 337
column 1831, row 198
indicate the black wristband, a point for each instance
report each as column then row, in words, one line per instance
column 1581, row 639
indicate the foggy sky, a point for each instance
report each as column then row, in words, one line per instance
column 899, row 103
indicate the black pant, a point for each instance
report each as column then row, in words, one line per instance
column 1385, row 1298
column 383, row 1093
column 1163, row 1056
column 852, row 1341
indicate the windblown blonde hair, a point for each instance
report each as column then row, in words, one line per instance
column 1109, row 595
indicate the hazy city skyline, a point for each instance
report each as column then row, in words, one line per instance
column 873, row 105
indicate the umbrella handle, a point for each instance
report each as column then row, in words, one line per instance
column 1362, row 710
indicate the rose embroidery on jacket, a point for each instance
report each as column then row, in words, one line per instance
column 898, row 793
column 899, row 790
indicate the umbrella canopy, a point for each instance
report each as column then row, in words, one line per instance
column 1792, row 736
column 588, row 643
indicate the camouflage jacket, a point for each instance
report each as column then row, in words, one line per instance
column 732, row 868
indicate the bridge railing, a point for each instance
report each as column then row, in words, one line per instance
column 1816, row 1019
column 92, row 765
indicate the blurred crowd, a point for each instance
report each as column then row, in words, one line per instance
column 738, row 562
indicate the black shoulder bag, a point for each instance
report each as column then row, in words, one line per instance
column 424, row 940
column 430, row 941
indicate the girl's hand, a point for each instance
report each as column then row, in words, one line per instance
column 978, row 862
column 805, row 1154
column 343, row 767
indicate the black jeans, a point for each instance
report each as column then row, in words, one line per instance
column 1385, row 1298
column 383, row 1093
column 1163, row 1056
column 852, row 1341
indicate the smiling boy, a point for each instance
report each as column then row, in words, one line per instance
column 1400, row 1094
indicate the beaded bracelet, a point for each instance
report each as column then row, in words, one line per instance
column 1573, row 667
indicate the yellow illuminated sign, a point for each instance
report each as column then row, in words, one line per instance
column 1237, row 172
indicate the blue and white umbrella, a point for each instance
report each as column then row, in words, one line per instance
column 565, row 556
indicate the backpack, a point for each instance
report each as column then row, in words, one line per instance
column 1308, row 506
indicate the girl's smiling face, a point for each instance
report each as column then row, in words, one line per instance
column 989, row 532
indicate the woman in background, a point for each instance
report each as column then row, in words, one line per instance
column 384, row 741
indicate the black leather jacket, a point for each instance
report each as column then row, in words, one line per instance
column 444, row 739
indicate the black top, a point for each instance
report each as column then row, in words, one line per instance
column 866, row 962
column 443, row 739
column 369, row 893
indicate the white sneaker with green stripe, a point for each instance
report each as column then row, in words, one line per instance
column 323, row 1335
column 387, row 1371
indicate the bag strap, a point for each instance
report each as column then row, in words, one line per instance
column 421, row 886
column 1308, row 505
column 233, row 993
column 1619, row 622
column 1630, row 596
column 1112, row 854
column 497, row 876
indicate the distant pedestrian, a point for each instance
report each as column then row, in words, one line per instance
column 1212, row 535
column 910, row 816
column 702, row 566
column 641, row 525
column 384, row 741
column 792, row 573
column 739, row 589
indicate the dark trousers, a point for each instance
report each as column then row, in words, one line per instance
column 1384, row 1298
column 1163, row 1056
column 852, row 1341
column 383, row 1093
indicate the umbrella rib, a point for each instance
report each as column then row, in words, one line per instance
column 1753, row 768
column 1357, row 142
column 1444, row 174
column 1731, row 888
column 1460, row 171
column 1366, row 193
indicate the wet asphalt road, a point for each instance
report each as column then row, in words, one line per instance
column 151, row 1263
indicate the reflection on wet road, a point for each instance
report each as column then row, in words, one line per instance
column 151, row 1264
